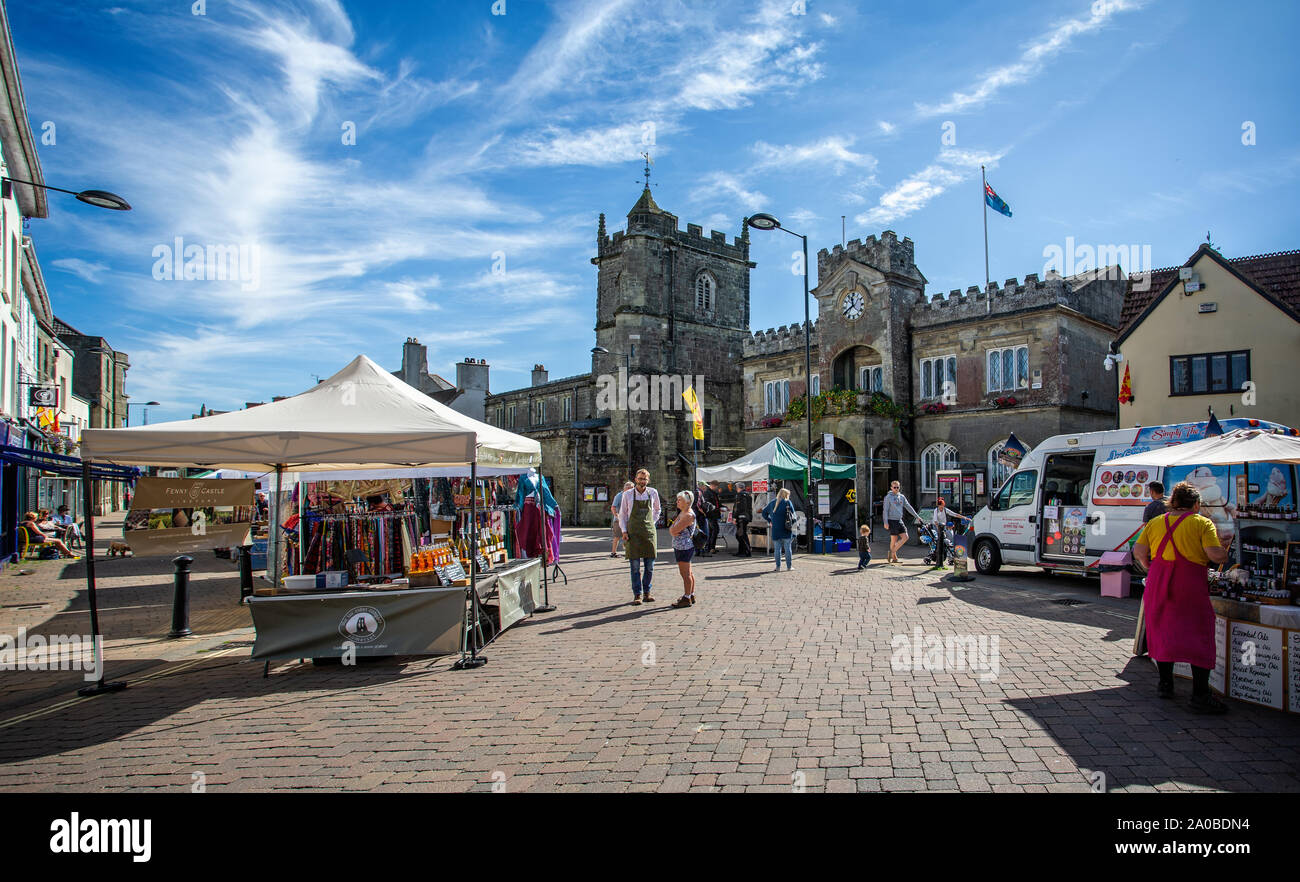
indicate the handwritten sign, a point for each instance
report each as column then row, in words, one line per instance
column 1217, row 675
column 1293, row 671
column 1291, row 565
column 1255, row 667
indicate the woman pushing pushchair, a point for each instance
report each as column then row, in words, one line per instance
column 935, row 534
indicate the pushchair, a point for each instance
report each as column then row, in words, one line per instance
column 927, row 535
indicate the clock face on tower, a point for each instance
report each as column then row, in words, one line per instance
column 853, row 305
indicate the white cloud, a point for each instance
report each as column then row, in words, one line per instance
column 729, row 189
column 553, row 146
column 950, row 168
column 886, row 128
column 89, row 270
column 1039, row 51
column 832, row 150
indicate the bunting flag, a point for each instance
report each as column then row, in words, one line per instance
column 697, row 415
column 1126, row 389
column 48, row 418
column 995, row 201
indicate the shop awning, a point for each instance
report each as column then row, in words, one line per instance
column 774, row 461
column 65, row 466
column 363, row 417
column 1243, row 445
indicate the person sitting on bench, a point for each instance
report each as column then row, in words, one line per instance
column 36, row 537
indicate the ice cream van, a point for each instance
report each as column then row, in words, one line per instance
column 1062, row 508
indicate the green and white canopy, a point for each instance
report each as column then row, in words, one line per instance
column 775, row 461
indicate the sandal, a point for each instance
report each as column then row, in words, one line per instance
column 648, row 598
column 636, row 601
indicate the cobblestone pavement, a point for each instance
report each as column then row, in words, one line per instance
column 772, row 682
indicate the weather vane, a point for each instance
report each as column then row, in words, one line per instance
column 648, row 162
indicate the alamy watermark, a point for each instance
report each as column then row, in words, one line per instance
column 977, row 653
column 1109, row 259
column 211, row 263
column 646, row 391
column 57, row 652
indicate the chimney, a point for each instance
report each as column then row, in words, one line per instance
column 472, row 380
column 415, row 362
column 539, row 374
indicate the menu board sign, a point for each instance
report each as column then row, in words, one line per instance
column 1293, row 671
column 1291, row 565
column 1217, row 676
column 1255, row 667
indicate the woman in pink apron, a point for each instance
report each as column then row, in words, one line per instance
column 1179, row 617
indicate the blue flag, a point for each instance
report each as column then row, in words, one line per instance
column 995, row 202
column 1012, row 452
column 1213, row 428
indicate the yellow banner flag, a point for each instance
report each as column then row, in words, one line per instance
column 697, row 415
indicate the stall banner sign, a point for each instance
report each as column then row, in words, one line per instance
column 519, row 590
column 758, row 486
column 368, row 623
column 180, row 516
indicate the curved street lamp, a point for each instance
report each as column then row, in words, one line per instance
column 99, row 198
column 764, row 221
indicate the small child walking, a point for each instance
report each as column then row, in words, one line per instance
column 864, row 546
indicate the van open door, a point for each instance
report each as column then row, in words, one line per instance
column 1012, row 533
column 1063, row 513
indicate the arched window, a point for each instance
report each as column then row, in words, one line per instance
column 939, row 455
column 705, row 290
column 816, row 385
column 998, row 472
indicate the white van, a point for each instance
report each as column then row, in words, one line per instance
column 1062, row 508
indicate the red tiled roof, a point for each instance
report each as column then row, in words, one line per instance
column 1277, row 273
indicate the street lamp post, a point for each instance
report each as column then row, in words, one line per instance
column 763, row 221
column 99, row 198
column 146, row 405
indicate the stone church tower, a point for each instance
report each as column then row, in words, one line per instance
column 672, row 303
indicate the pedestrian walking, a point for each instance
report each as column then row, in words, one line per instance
column 701, row 508
column 613, row 524
column 713, row 507
column 939, row 520
column 1179, row 617
column 683, row 533
column 892, row 511
column 780, row 515
column 742, row 514
column 638, row 514
column 864, row 546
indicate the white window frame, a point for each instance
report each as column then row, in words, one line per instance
column 1018, row 383
column 816, row 385
column 776, row 397
column 998, row 471
column 936, row 390
column 939, row 455
column 510, row 416
column 871, row 378
column 568, row 408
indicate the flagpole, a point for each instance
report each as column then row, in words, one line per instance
column 984, row 200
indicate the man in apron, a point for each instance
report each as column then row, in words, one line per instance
column 638, row 516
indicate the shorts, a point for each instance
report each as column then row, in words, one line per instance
column 683, row 555
column 616, row 529
column 896, row 528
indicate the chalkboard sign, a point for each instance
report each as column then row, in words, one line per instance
column 1291, row 566
column 482, row 563
column 451, row 572
column 1255, row 668
column 1220, row 654
column 1293, row 671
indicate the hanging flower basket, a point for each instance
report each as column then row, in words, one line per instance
column 935, row 407
column 1005, row 401
column 771, row 422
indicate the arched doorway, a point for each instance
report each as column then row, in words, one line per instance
column 858, row 367
column 885, row 469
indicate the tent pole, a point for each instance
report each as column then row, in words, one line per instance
column 273, row 531
column 98, row 649
column 473, row 624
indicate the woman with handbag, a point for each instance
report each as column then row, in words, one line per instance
column 780, row 517
column 684, row 535
column 1177, row 609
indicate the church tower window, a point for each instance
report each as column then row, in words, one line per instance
column 705, row 291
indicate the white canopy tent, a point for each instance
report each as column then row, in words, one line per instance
column 361, row 418
column 1240, row 446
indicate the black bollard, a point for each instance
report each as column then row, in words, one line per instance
column 245, row 572
column 181, row 598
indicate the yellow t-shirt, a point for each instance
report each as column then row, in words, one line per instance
column 1192, row 537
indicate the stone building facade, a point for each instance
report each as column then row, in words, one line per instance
column 672, row 310
column 940, row 381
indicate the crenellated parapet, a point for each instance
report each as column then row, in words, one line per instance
column 1098, row 295
column 774, row 341
column 887, row 253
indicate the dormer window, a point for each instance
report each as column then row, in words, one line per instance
column 706, row 288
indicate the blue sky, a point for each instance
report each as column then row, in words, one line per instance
column 481, row 135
